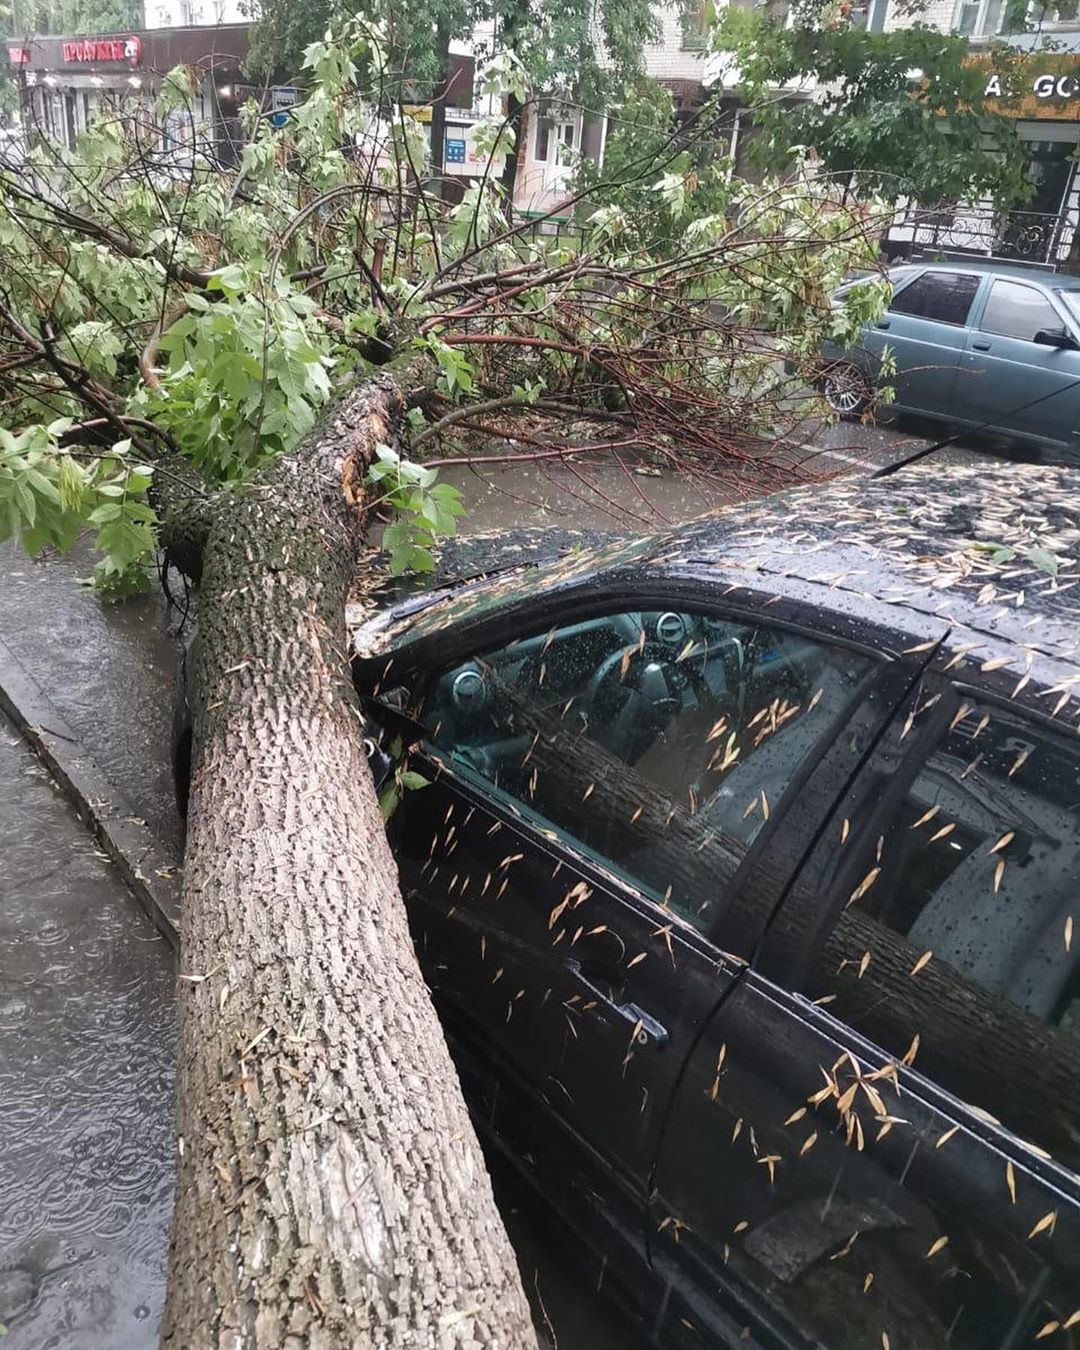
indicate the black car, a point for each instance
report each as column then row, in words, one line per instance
column 746, row 880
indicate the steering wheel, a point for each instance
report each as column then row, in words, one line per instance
column 630, row 703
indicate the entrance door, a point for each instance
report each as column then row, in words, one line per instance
column 1031, row 234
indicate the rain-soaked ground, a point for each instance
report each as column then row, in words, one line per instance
column 86, row 1070
column 86, row 987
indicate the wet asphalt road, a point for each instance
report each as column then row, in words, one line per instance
column 86, row 988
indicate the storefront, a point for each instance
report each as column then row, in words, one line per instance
column 66, row 81
column 1040, row 91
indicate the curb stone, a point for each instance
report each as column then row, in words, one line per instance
column 122, row 834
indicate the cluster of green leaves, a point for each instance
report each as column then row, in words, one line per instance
column 245, row 375
column 47, row 496
column 425, row 509
column 687, row 173
column 246, row 358
column 70, row 16
column 899, row 113
column 402, row 780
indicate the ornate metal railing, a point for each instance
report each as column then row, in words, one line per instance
column 1027, row 236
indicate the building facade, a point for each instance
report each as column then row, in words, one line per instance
column 193, row 13
column 66, row 81
column 1042, row 97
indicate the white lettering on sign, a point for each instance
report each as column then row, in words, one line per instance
column 1043, row 86
column 91, row 51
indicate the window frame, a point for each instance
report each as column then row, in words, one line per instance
column 930, row 272
column 983, row 9
column 752, row 887
column 1044, row 295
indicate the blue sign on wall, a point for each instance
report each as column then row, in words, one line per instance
column 455, row 151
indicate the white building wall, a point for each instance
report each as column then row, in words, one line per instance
column 939, row 14
column 189, row 13
column 667, row 59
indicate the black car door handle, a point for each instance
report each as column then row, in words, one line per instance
column 980, row 346
column 882, row 323
column 649, row 1029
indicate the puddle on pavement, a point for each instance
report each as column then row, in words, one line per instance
column 86, row 1068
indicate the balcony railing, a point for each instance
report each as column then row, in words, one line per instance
column 1024, row 236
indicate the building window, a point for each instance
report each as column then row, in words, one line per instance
column 692, row 19
column 1051, row 12
column 869, row 14
column 979, row 18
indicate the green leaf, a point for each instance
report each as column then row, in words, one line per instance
column 1044, row 560
column 412, row 780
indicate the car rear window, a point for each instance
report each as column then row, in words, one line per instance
column 942, row 296
column 1017, row 311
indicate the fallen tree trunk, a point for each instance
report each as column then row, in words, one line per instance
column 330, row 1190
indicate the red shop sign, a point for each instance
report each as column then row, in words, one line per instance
column 18, row 56
column 98, row 51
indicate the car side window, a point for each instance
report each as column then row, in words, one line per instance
column 1017, row 311
column 955, row 947
column 657, row 742
column 943, row 296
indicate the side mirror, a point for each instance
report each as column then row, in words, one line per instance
column 1056, row 337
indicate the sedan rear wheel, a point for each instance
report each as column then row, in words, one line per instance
column 846, row 389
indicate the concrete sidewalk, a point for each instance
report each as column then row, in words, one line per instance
column 87, row 1043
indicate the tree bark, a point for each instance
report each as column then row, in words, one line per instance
column 330, row 1191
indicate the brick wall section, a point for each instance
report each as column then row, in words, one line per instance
column 666, row 60
column 939, row 14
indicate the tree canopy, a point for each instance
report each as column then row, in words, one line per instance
column 163, row 303
column 26, row 17
column 897, row 113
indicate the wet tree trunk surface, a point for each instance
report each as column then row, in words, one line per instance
column 330, row 1189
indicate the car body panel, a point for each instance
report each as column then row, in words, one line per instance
column 919, row 1227
column 965, row 376
column 1014, row 385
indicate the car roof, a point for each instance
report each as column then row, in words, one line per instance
column 991, row 550
column 1057, row 280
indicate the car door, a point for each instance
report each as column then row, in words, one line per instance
column 613, row 809
column 924, row 331
column 877, row 1139
column 1012, row 383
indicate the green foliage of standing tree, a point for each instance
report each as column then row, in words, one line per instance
column 899, row 114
